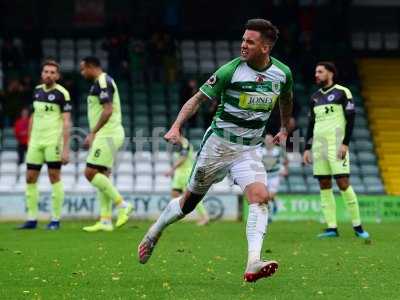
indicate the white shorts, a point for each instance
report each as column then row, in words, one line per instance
column 273, row 183
column 218, row 157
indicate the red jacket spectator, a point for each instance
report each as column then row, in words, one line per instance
column 21, row 128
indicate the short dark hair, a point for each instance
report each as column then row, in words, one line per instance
column 330, row 66
column 267, row 30
column 92, row 60
column 51, row 62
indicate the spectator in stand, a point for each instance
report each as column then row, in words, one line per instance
column 157, row 49
column 137, row 62
column 21, row 131
column 187, row 91
column 11, row 57
column 117, row 47
column 14, row 100
column 169, row 59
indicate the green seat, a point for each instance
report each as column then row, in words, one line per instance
column 359, row 188
column 354, row 169
column 298, row 188
column 196, row 133
column 376, row 188
column 366, row 157
column 296, row 179
column 140, row 97
column 295, row 170
column 372, row 180
column 361, row 133
column 370, row 170
column 364, row 145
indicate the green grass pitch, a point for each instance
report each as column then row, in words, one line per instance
column 192, row 262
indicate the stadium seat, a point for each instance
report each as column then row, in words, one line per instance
column 283, row 187
column 125, row 183
column 161, row 167
column 221, row 45
column 141, row 156
column 20, row 186
column 162, row 183
column 295, row 169
column 376, row 188
column 68, row 169
column 359, row 188
column 144, row 183
column 8, row 168
column 207, row 66
column 143, row 167
column 361, row 133
column 83, row 185
column 358, row 40
column 372, row 180
column 314, row 188
column 189, row 66
column 364, row 145
column 9, row 156
column 391, row 40
column 370, row 170
column 374, row 41
column 204, row 45
column 161, row 156
column 7, row 183
column 123, row 168
column 366, row 157
column 69, row 182
column 189, row 54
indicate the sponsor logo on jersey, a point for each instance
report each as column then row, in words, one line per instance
column 67, row 107
column 331, row 97
column 260, row 78
column 51, row 97
column 259, row 100
column 350, row 106
column 212, row 80
column 276, row 87
column 103, row 95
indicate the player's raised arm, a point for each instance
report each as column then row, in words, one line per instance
column 186, row 112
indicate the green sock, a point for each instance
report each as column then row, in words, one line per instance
column 32, row 199
column 328, row 207
column 104, row 185
column 201, row 210
column 57, row 197
column 105, row 206
column 352, row 205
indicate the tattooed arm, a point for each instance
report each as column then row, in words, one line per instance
column 187, row 111
column 286, row 107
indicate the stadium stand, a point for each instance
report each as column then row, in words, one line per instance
column 152, row 105
column 381, row 90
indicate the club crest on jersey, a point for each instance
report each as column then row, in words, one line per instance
column 212, row 80
column 260, row 78
column 331, row 98
column 276, row 87
column 51, row 97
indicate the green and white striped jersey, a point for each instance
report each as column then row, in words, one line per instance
column 246, row 98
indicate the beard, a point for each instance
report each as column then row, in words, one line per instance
column 321, row 83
